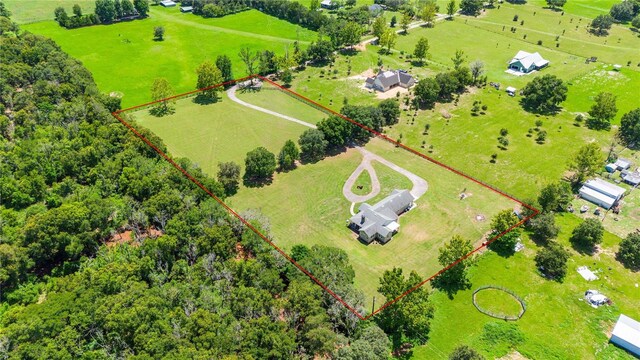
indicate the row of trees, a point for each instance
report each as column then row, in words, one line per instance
column 106, row 12
column 443, row 86
column 218, row 8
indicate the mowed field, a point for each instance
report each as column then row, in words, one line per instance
column 558, row 324
column 313, row 192
column 126, row 59
column 28, row 11
column 219, row 132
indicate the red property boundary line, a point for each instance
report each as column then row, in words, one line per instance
column 535, row 211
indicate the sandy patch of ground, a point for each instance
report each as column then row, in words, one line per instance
column 391, row 93
column 363, row 75
column 513, row 356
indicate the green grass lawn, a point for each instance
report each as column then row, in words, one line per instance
column 557, row 324
column 127, row 59
column 223, row 131
column 498, row 302
column 28, row 11
column 314, row 193
column 362, row 186
column 571, row 31
column 271, row 98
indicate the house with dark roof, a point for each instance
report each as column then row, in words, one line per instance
column 380, row 221
column 386, row 80
column 525, row 62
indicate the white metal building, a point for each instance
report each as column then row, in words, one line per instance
column 601, row 193
column 626, row 334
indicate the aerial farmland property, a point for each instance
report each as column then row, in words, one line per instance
column 276, row 179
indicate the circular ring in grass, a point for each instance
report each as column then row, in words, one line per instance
column 499, row 302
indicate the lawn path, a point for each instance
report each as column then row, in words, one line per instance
column 173, row 19
column 420, row 186
column 232, row 95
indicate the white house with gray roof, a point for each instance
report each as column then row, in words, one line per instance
column 380, row 221
column 386, row 80
column 525, row 62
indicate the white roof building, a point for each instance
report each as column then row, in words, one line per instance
column 601, row 193
column 626, row 334
column 622, row 164
column 526, row 62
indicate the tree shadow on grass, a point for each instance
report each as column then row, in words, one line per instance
column 160, row 111
column 528, row 107
column 252, row 182
column 582, row 248
column 202, row 99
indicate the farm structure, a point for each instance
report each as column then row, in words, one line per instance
column 525, row 62
column 380, row 221
column 626, row 334
column 601, row 193
column 387, row 80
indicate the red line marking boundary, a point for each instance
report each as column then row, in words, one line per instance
column 166, row 157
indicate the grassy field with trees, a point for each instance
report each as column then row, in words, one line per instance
column 514, row 143
column 126, row 60
column 219, row 132
column 323, row 210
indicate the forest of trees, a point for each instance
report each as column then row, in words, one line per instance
column 106, row 12
column 192, row 282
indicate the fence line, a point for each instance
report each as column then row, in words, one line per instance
column 523, row 305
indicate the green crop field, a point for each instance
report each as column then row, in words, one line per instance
column 223, row 131
column 127, row 59
column 28, row 11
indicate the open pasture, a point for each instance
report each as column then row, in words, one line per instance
column 127, row 59
column 218, row 132
column 313, row 192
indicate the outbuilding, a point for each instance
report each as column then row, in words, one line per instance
column 511, row 91
column 622, row 164
column 327, row 4
column 167, row 3
column 601, row 193
column 186, row 9
column 626, row 334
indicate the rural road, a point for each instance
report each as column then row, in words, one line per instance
column 420, row 186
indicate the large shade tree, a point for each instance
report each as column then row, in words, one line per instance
column 259, row 165
column 543, row 94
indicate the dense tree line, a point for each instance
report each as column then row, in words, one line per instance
column 218, row 8
column 106, row 12
column 192, row 283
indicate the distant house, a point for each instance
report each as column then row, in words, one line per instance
column 376, row 9
column 601, row 193
column 186, row 9
column 167, row 3
column 622, row 164
column 525, row 62
column 626, row 334
column 380, row 221
column 386, row 80
column 631, row 178
column 327, row 4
